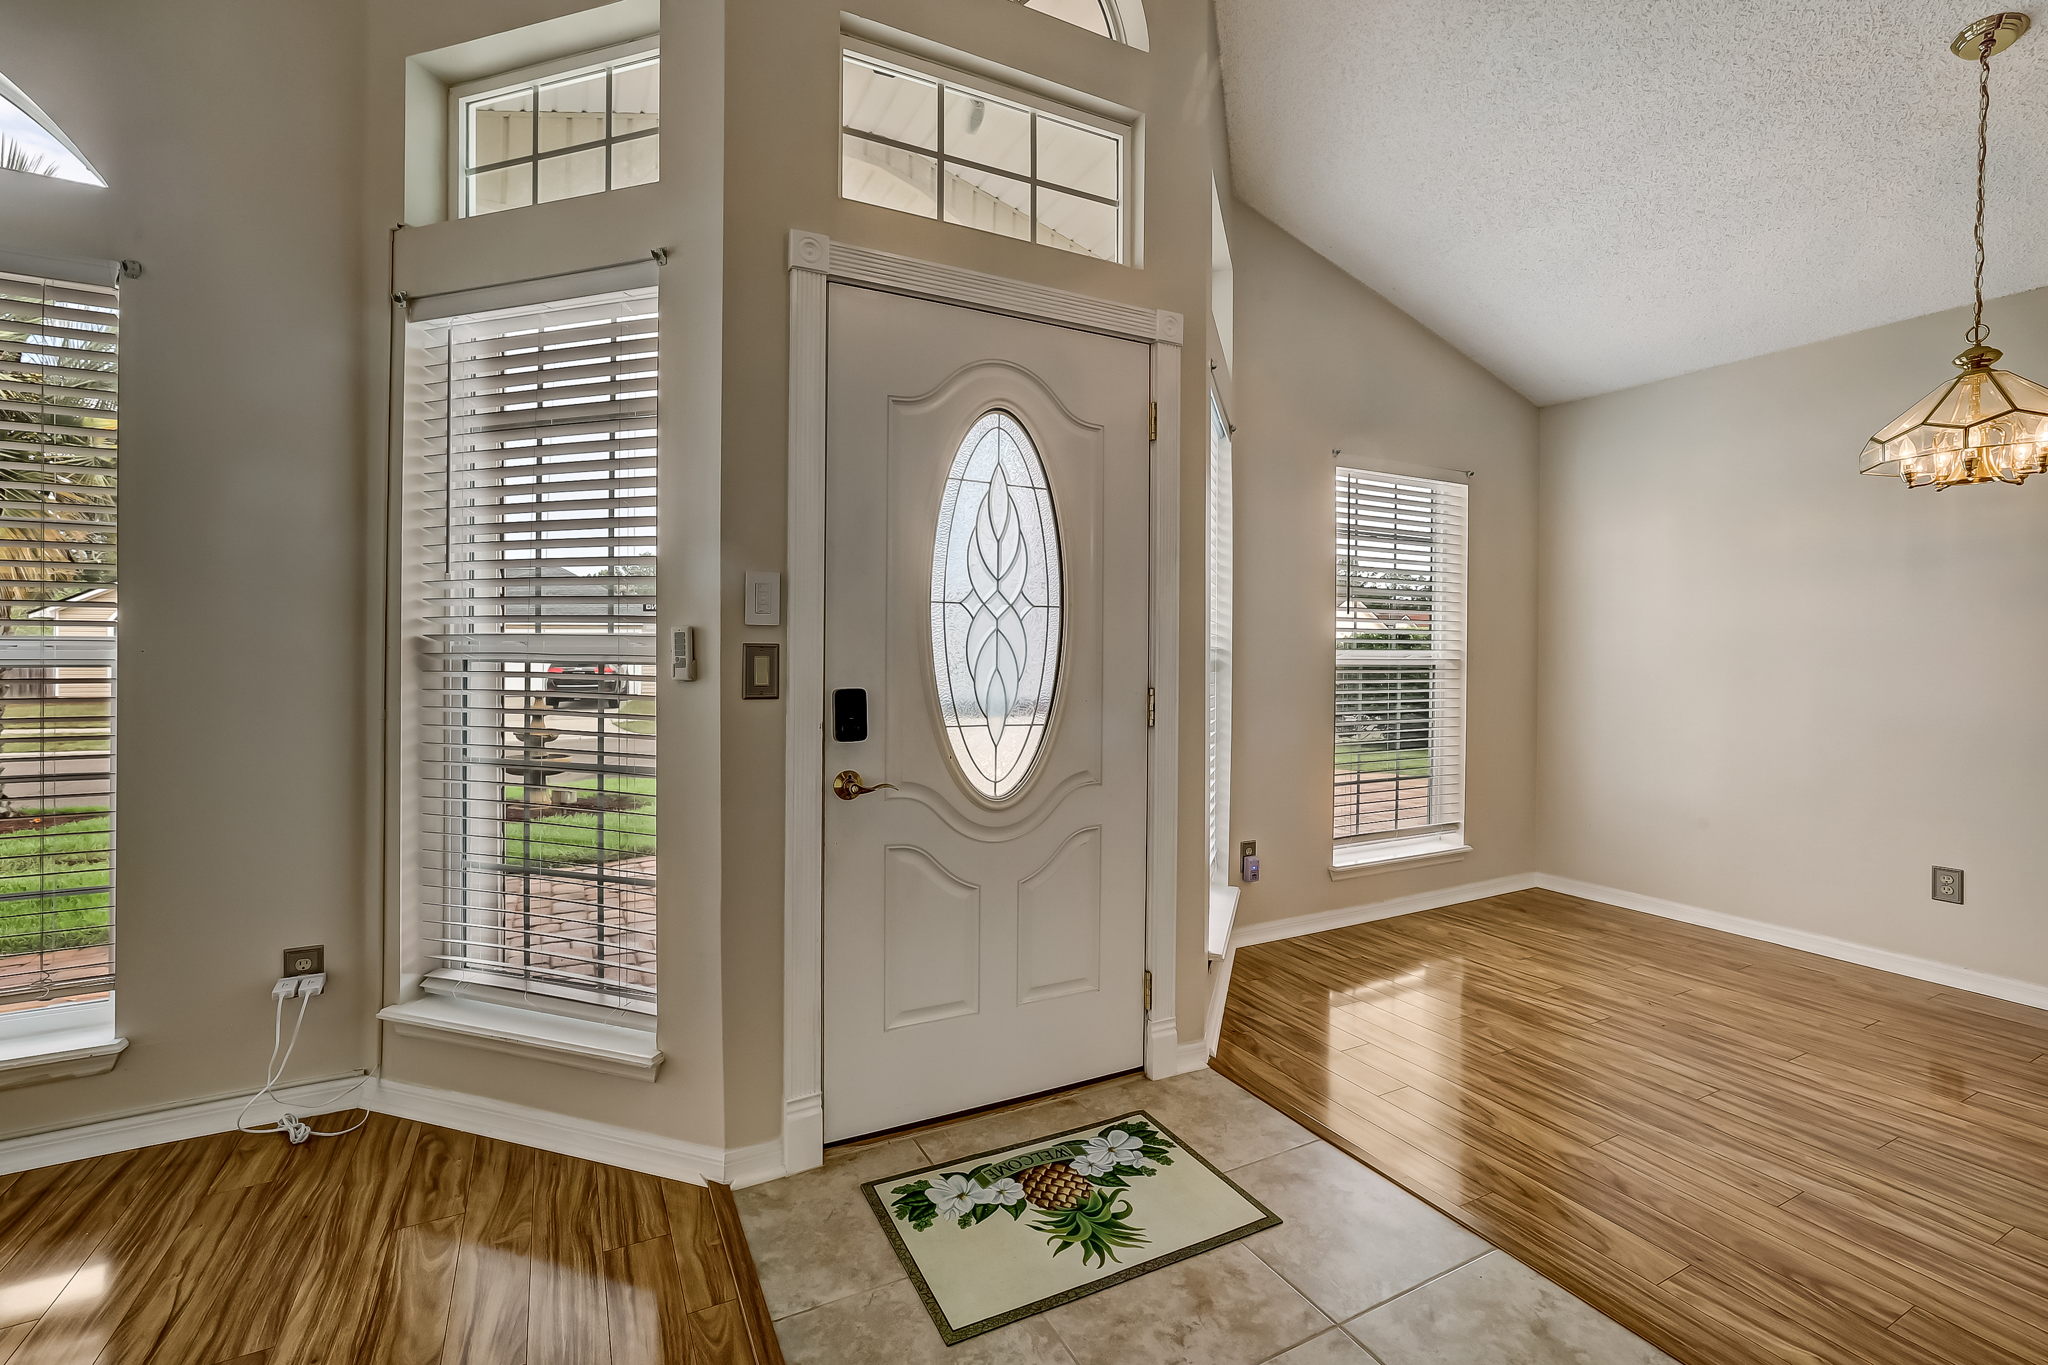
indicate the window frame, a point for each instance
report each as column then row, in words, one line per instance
column 1124, row 128
column 1442, row 834
column 535, row 74
column 86, row 645
column 430, row 987
column 1112, row 19
column 1219, row 651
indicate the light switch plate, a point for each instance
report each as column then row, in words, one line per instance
column 764, row 599
column 760, row 671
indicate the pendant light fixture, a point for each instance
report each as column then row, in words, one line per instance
column 1985, row 423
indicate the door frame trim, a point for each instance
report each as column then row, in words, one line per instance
column 815, row 262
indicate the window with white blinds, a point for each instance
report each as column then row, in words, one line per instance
column 59, row 343
column 1217, row 784
column 1400, row 668
column 533, row 462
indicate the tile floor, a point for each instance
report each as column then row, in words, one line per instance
column 1360, row 1273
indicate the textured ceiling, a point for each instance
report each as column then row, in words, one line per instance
column 1588, row 194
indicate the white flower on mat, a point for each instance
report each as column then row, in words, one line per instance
column 1114, row 1148
column 1004, row 1192
column 954, row 1195
column 1093, row 1163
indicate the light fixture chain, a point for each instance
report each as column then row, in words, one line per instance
column 1978, row 331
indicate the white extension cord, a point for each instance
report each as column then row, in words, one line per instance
column 291, row 1125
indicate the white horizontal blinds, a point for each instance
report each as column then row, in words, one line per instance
column 58, row 444
column 1217, row 785
column 1400, row 690
column 534, row 429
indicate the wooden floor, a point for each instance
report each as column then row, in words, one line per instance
column 1744, row 1153
column 401, row 1244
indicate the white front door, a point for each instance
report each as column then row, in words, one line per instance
column 986, row 619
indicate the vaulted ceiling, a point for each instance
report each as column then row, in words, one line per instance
column 1583, row 195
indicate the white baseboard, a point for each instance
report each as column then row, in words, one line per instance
column 610, row 1144
column 1841, row 949
column 172, row 1124
column 1191, row 1056
column 1219, row 996
column 755, row 1165
column 766, row 1161
column 569, row 1136
column 1271, row 931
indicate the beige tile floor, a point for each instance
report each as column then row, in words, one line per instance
column 1359, row 1273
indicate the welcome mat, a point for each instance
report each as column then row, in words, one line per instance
column 999, row 1236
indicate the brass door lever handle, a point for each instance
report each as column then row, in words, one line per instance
column 847, row 786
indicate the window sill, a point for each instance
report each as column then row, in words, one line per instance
column 1365, row 860
column 1222, row 918
column 609, row 1048
column 58, row 1043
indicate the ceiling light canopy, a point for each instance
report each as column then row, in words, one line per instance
column 1985, row 424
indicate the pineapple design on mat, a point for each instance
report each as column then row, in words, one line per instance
column 1077, row 1188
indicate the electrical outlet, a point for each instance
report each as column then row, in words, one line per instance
column 305, row 961
column 1948, row 885
column 1248, row 849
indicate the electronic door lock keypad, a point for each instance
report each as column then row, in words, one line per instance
column 850, row 715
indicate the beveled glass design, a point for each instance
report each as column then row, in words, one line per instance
column 1980, row 426
column 997, row 594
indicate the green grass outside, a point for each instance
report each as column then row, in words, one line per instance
column 68, row 857
column 30, row 727
column 578, row 837
column 1361, row 758
column 100, row 743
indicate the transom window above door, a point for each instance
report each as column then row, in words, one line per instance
column 920, row 139
column 579, row 126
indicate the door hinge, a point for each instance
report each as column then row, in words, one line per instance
column 1151, row 707
column 1148, row 992
column 1155, row 422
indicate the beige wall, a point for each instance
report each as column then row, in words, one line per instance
column 725, row 299
column 782, row 175
column 680, row 213
column 1776, row 689
column 232, row 168
column 1324, row 363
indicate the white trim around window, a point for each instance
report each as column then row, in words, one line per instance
column 932, row 140
column 1399, row 679
column 1217, row 727
column 619, row 132
column 528, row 518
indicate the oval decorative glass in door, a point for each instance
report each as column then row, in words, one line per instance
column 996, row 606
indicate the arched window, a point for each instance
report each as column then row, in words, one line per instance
column 31, row 143
column 1122, row 20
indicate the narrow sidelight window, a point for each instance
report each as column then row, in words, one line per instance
column 59, row 425
column 1217, row 737
column 1400, row 668
column 533, row 473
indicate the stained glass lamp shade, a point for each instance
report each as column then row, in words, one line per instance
column 1982, row 425
column 1985, row 425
